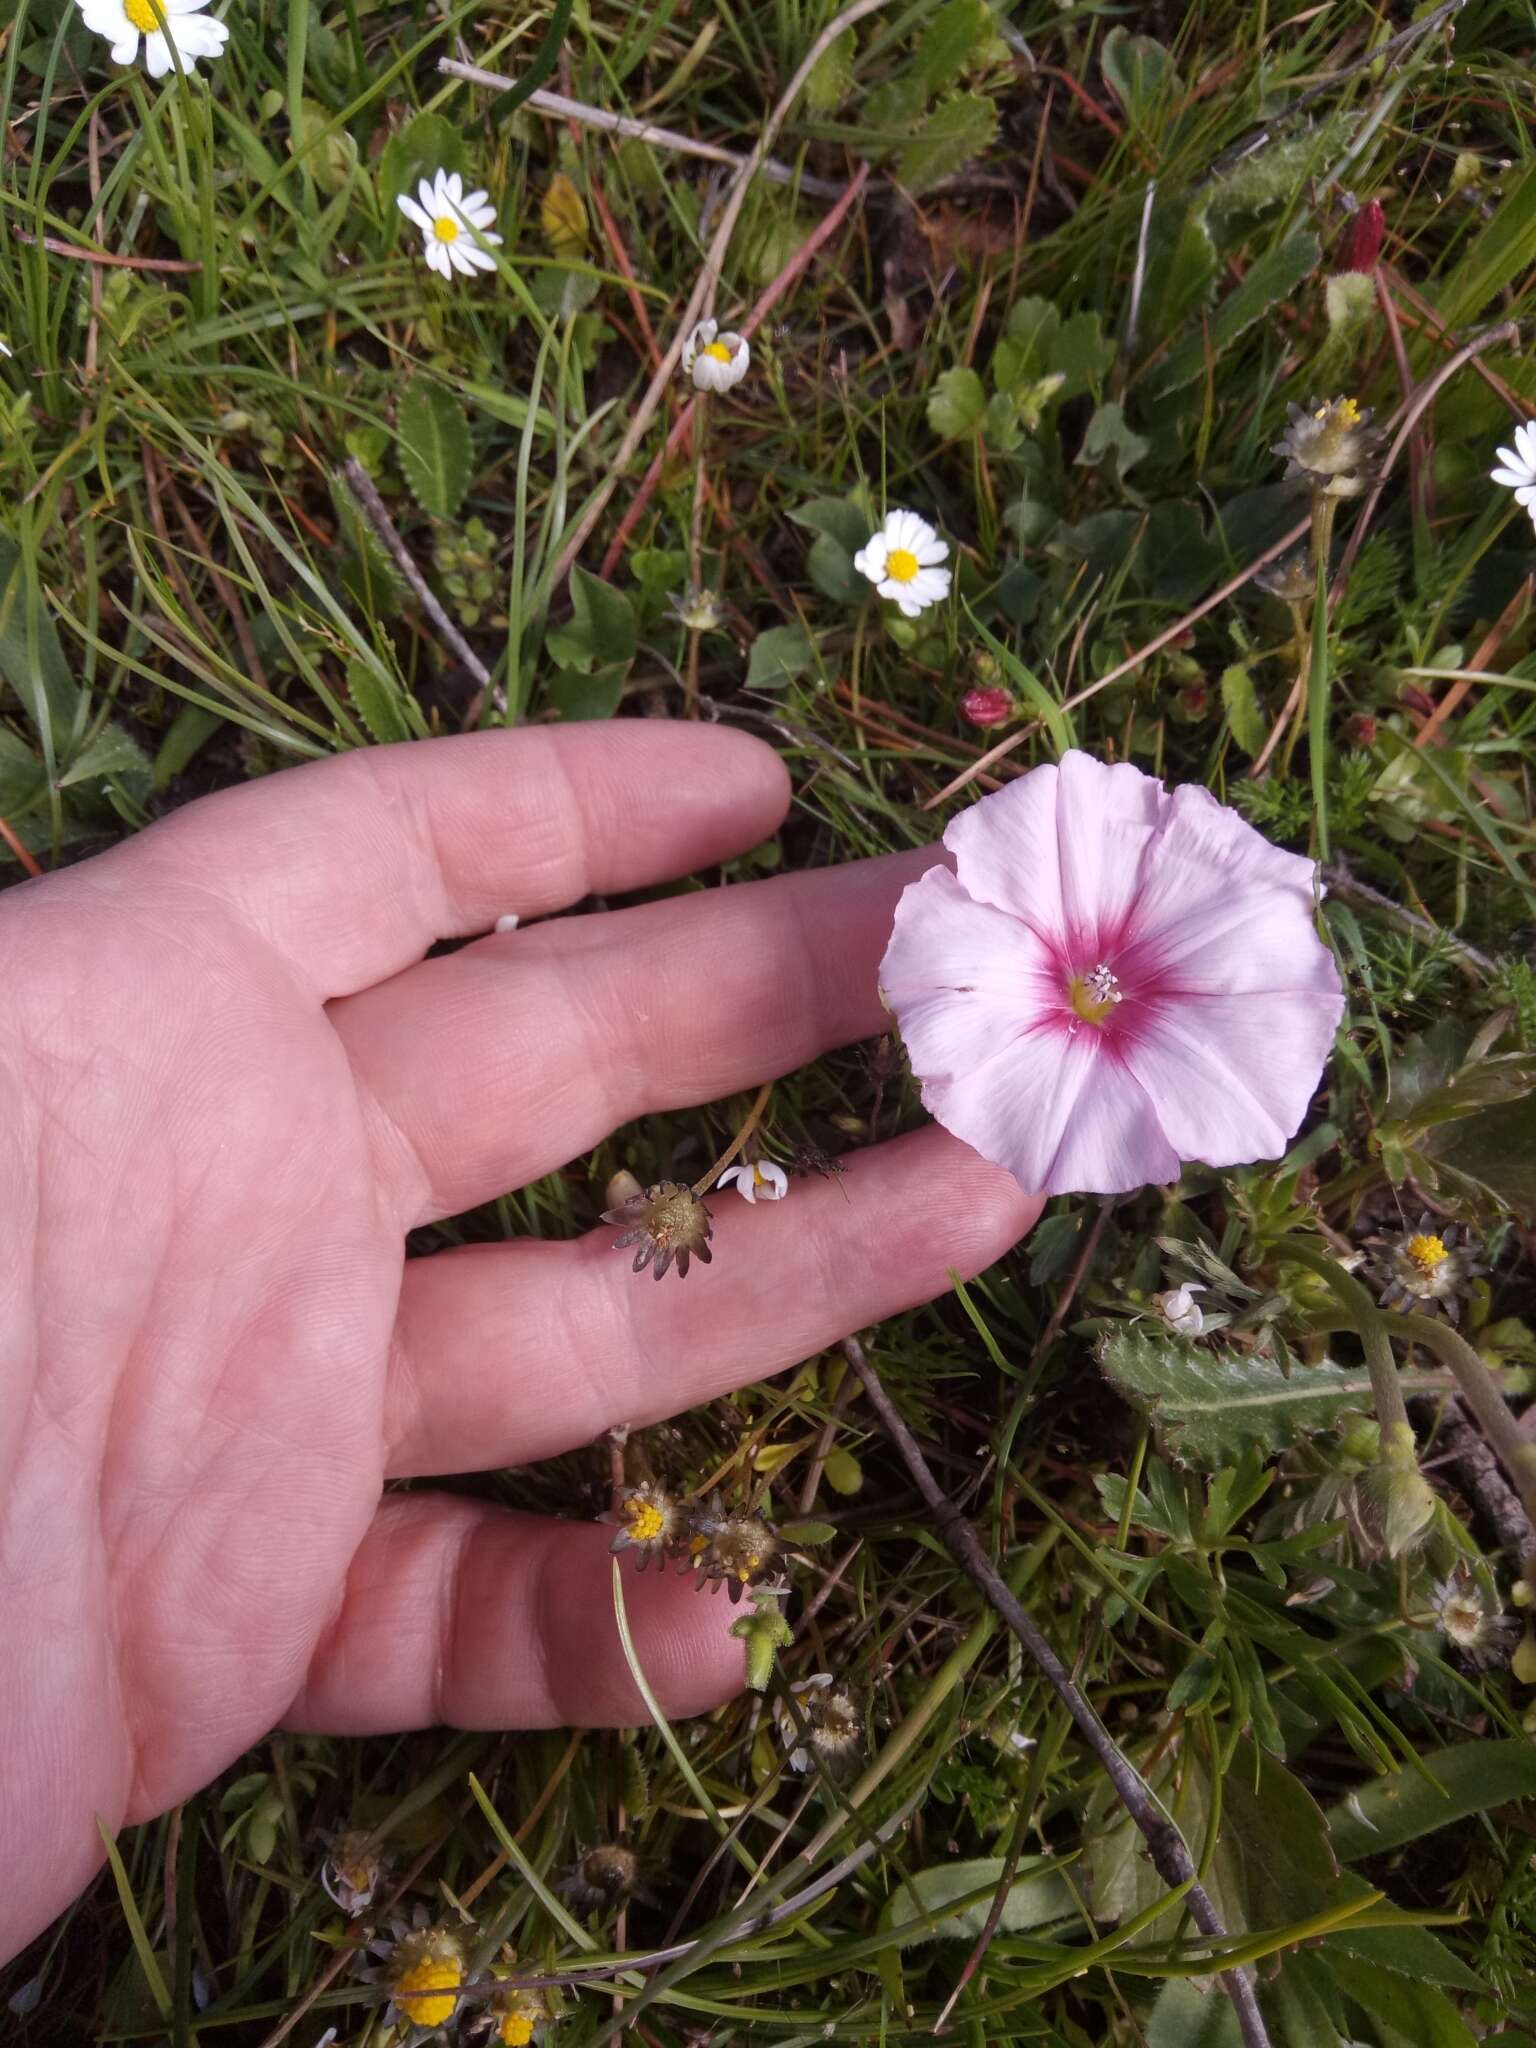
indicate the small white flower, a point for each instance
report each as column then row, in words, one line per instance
column 453, row 224
column 758, row 1179
column 902, row 561
column 1179, row 1309
column 715, row 361
column 1519, row 467
column 188, row 31
column 508, row 921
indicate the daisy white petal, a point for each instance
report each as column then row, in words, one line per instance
column 471, row 201
column 413, row 212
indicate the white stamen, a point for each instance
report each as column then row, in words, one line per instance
column 1103, row 987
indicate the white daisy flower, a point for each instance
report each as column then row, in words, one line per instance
column 188, row 32
column 757, row 1180
column 715, row 361
column 1179, row 1309
column 902, row 561
column 453, row 224
column 1519, row 467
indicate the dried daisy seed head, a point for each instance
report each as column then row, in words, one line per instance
column 1471, row 1621
column 1292, row 578
column 1331, row 445
column 648, row 1522
column 730, row 1550
column 1424, row 1270
column 834, row 1726
column 666, row 1222
column 605, row 1876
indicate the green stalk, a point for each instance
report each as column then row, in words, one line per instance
column 1323, row 510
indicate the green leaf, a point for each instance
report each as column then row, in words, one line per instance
column 947, row 140
column 923, row 1908
column 830, row 567
column 841, row 519
column 956, row 404
column 1185, row 2017
column 1410, row 1951
column 1140, row 73
column 811, row 1533
column 1241, row 705
column 111, row 752
column 1057, row 722
column 139, row 1936
column 779, row 655
column 1494, row 257
column 845, row 1474
column 1493, row 1150
column 433, row 440
column 1400, row 1807
column 1272, row 277
column 1108, row 434
column 1208, row 1407
column 23, row 779
column 580, row 698
column 958, row 28
column 600, row 633
column 46, row 688
column 831, row 77
column 378, row 702
column 1181, row 269
column 427, row 144
column 1408, row 2015
column 192, row 727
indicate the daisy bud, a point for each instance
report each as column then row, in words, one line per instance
column 1179, row 1309
column 1362, row 238
column 1360, row 729
column 715, row 361
column 987, row 706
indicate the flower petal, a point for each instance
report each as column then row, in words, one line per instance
column 871, row 559
column 413, row 213
column 963, row 978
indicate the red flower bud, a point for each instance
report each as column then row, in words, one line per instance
column 987, row 706
column 1362, row 238
column 1360, row 729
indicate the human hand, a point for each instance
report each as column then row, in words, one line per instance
column 232, row 1083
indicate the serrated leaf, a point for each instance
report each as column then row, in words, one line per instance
column 947, row 140
column 111, row 752
column 1209, row 1407
column 601, row 631
column 378, row 705
column 920, row 1909
column 434, row 448
column 1398, row 1808
column 779, row 655
column 1272, row 277
column 956, row 404
column 563, row 217
column 832, row 75
column 945, row 47
column 1241, row 704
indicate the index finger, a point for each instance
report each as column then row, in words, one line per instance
column 352, row 868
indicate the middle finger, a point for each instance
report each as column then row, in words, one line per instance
column 500, row 1062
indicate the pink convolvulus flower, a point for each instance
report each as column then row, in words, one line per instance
column 1112, row 980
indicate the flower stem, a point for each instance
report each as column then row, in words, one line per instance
column 1372, row 1326
column 1514, row 1450
column 1323, row 510
column 703, row 1185
column 696, row 554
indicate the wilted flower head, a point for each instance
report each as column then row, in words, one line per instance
column 699, row 611
column 453, row 224
column 603, row 1878
column 715, row 360
column 1471, row 1620
column 513, row 2017
column 666, row 1222
column 352, row 1870
column 1424, row 1269
column 756, row 1180
column 1518, row 467
column 730, row 1550
column 1179, row 1309
column 902, row 561
column 186, row 30
column 1114, row 979
column 1331, row 445
column 648, row 1519
column 1291, row 577
column 834, row 1727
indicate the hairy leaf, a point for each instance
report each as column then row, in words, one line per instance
column 953, row 133
column 1271, row 278
column 1208, row 1407
column 433, row 440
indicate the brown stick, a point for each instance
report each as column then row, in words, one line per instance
column 376, row 512
column 87, row 253
column 1166, row 1846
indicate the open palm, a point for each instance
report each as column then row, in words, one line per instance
column 231, row 1084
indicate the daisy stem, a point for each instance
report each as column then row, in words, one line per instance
column 703, row 1185
column 1323, row 510
column 1303, row 658
column 696, row 553
column 1372, row 1326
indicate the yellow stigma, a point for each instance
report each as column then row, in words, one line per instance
column 516, row 2030
column 718, row 350
column 142, row 15
column 1427, row 1253
column 433, row 1974
column 902, row 564
column 445, row 227
column 646, row 1521
column 1093, row 996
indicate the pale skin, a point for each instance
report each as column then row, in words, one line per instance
column 231, row 1084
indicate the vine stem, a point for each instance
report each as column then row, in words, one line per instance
column 1166, row 1846
column 1372, row 1326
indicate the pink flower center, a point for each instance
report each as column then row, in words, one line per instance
column 1094, row 996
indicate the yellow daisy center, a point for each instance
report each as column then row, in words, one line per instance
column 646, row 1521
column 517, row 2030
column 142, row 15
column 1427, row 1253
column 901, row 563
column 445, row 227
column 718, row 350
column 431, row 1974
